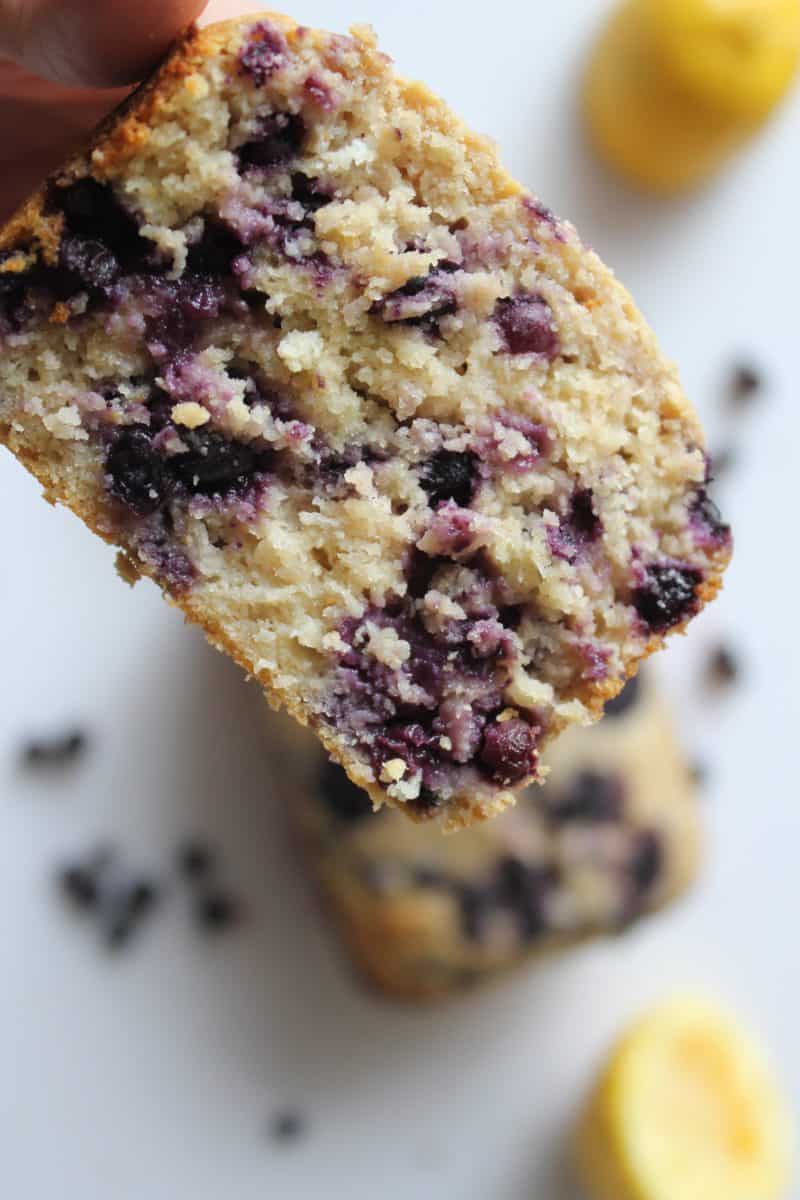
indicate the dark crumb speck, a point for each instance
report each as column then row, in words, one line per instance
column 80, row 886
column 723, row 666
column 287, row 1127
column 195, row 860
column 55, row 752
column 745, row 384
column 217, row 911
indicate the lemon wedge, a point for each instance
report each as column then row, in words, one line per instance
column 674, row 87
column 686, row 1109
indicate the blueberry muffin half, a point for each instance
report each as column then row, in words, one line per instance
column 369, row 413
column 611, row 836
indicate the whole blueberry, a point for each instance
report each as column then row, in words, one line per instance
column 667, row 596
column 450, row 475
column 508, row 751
column 136, row 472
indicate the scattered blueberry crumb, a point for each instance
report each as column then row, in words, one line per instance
column 217, row 911
column 195, row 860
column 117, row 902
column 57, row 751
column 141, row 897
column 125, row 908
column 119, row 931
column 723, row 666
column 745, row 384
column 288, row 1127
column 80, row 886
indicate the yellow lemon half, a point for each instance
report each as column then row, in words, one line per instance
column 686, row 1109
column 674, row 87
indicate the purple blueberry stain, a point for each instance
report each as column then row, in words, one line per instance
column 577, row 530
column 544, row 216
column 422, row 301
column 177, row 310
column 513, row 457
column 527, row 326
column 437, row 711
column 667, row 595
column 317, row 91
column 280, row 140
column 263, row 53
column 452, row 532
column 157, row 546
column 706, row 521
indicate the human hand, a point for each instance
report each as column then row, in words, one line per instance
column 66, row 64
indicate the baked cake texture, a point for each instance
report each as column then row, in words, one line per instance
column 611, row 836
column 373, row 417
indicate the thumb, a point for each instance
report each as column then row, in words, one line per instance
column 97, row 43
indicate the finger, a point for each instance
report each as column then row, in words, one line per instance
column 40, row 124
column 92, row 43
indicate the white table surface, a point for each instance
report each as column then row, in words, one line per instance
column 153, row 1076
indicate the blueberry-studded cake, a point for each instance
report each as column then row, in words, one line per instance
column 611, row 836
column 369, row 413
